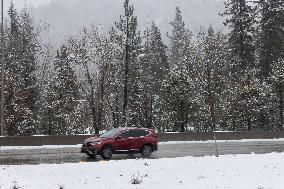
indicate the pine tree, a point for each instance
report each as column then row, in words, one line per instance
column 128, row 40
column 155, row 68
column 48, row 109
column 277, row 93
column 21, row 82
column 241, row 21
column 67, row 116
column 272, row 34
column 115, row 94
column 245, row 102
column 30, row 48
column 179, row 84
column 212, row 57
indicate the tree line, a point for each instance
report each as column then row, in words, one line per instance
column 205, row 81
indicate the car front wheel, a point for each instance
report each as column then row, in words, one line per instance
column 106, row 153
column 146, row 151
column 91, row 155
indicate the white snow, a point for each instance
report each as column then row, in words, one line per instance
column 160, row 143
column 251, row 171
column 38, row 147
column 228, row 141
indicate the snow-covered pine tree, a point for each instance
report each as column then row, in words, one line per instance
column 30, row 49
column 270, row 48
column 115, row 92
column 66, row 93
column 45, row 75
column 128, row 40
column 277, row 93
column 212, row 57
column 155, row 68
column 241, row 22
column 179, row 84
column 271, row 36
column 21, row 90
column 12, row 69
column 245, row 102
column 48, row 109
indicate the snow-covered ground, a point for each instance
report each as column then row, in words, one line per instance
column 160, row 143
column 251, row 171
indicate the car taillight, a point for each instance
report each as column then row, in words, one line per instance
column 155, row 135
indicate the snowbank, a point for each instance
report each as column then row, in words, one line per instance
column 251, row 171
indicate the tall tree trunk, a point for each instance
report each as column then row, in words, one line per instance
column 126, row 72
column 182, row 122
column 249, row 124
column 91, row 99
column 281, row 106
column 116, row 111
column 151, row 113
column 212, row 114
column 210, row 99
column 49, row 121
column 101, row 98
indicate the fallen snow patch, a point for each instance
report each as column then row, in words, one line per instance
column 223, row 141
column 251, row 171
column 38, row 147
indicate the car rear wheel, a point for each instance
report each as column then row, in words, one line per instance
column 146, row 151
column 106, row 152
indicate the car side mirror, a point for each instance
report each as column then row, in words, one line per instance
column 117, row 138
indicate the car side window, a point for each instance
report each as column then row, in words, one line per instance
column 140, row 133
column 134, row 133
column 125, row 134
column 145, row 133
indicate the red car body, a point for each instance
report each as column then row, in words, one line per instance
column 121, row 141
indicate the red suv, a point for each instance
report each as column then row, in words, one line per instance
column 121, row 141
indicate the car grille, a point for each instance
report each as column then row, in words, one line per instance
column 87, row 144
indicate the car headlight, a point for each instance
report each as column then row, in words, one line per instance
column 94, row 143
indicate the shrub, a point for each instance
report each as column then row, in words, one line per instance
column 136, row 179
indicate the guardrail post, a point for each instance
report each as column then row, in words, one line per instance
column 216, row 146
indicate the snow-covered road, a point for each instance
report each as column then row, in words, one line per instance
column 71, row 154
column 251, row 171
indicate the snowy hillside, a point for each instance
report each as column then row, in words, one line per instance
column 69, row 16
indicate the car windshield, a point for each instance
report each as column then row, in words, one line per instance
column 111, row 133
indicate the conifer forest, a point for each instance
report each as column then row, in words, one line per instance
column 182, row 81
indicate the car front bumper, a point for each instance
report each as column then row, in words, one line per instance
column 90, row 150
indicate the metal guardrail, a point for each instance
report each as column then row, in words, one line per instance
column 163, row 137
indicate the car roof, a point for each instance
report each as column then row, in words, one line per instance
column 132, row 128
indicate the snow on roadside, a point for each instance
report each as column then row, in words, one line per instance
column 265, row 171
column 222, row 141
column 160, row 143
column 38, row 147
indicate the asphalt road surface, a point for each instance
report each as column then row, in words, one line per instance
column 73, row 155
